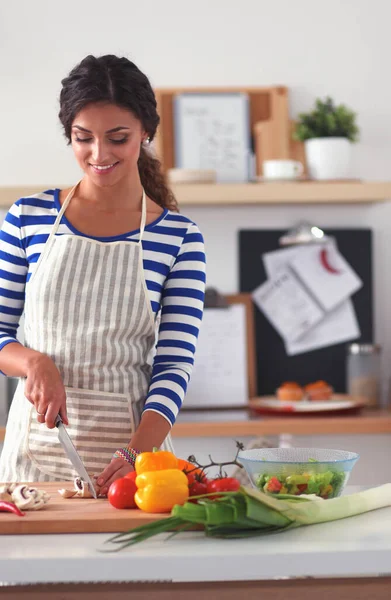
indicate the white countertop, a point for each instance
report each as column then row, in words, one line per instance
column 358, row 546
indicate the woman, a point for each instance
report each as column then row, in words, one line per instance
column 92, row 267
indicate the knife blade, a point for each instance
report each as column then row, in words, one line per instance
column 73, row 455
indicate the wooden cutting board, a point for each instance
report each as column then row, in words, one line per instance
column 74, row 515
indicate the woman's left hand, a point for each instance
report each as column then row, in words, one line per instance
column 115, row 470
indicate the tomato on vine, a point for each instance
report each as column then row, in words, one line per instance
column 223, row 484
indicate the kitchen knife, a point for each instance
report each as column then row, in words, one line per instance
column 72, row 454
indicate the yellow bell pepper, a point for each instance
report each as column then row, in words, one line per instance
column 160, row 491
column 155, row 461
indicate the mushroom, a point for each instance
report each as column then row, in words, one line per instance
column 5, row 493
column 27, row 498
column 67, row 493
column 81, row 490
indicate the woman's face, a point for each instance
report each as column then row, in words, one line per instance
column 106, row 140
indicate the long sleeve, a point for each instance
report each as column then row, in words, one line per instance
column 182, row 307
column 13, row 274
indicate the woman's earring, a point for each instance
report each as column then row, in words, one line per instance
column 146, row 141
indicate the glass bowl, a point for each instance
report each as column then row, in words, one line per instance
column 298, row 471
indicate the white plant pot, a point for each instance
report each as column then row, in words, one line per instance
column 328, row 158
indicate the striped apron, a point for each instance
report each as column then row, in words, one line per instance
column 87, row 307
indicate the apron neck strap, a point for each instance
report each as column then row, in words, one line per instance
column 63, row 209
column 143, row 216
column 70, row 196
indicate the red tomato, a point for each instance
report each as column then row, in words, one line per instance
column 121, row 493
column 273, row 485
column 197, row 488
column 223, row 484
column 132, row 475
column 196, row 476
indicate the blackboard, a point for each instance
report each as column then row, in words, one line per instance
column 329, row 364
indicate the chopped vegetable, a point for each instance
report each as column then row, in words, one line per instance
column 273, row 485
column 325, row 485
column 11, row 508
column 159, row 491
column 249, row 513
column 23, row 496
column 81, row 489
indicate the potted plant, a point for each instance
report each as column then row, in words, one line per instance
column 328, row 133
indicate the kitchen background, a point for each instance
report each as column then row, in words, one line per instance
column 316, row 49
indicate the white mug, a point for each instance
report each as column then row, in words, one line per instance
column 282, row 169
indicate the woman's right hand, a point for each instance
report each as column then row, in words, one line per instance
column 45, row 390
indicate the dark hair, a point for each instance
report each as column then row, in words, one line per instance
column 118, row 81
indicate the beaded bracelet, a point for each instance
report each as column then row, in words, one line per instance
column 127, row 454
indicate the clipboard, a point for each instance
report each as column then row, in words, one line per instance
column 224, row 374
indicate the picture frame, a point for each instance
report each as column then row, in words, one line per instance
column 212, row 132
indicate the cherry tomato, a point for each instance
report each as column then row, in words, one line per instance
column 121, row 493
column 197, row 488
column 196, row 476
column 223, row 484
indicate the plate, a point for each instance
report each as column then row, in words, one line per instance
column 337, row 403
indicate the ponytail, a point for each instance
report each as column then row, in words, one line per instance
column 153, row 181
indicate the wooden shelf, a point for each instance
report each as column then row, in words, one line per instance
column 305, row 192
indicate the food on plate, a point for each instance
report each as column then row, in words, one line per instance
column 325, row 485
column 290, row 391
column 23, row 497
column 122, row 491
column 80, row 490
column 319, row 390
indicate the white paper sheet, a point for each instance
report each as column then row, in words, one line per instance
column 326, row 273
column 338, row 326
column 219, row 376
column 287, row 305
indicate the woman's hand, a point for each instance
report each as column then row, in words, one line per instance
column 115, row 470
column 44, row 388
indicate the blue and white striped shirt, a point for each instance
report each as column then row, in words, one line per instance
column 174, row 268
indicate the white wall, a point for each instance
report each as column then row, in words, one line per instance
column 338, row 47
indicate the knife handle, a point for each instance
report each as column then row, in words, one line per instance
column 58, row 421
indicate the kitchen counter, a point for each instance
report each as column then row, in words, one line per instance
column 350, row 559
column 231, row 423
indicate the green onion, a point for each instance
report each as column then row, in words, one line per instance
column 249, row 512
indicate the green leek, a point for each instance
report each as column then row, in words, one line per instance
column 250, row 512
